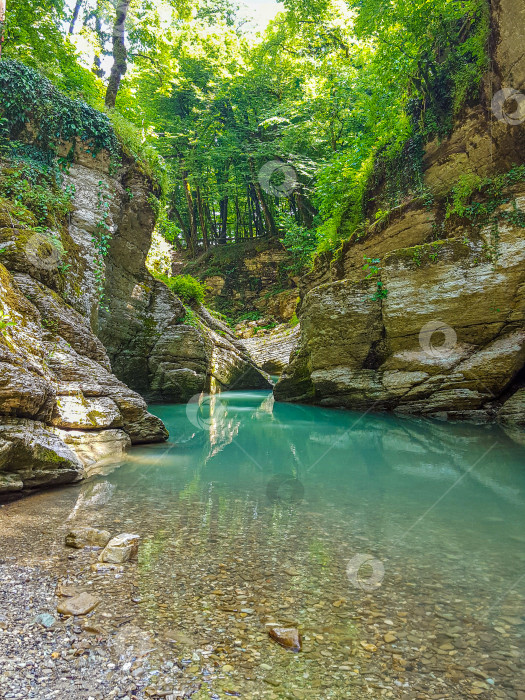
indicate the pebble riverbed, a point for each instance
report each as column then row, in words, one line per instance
column 219, row 562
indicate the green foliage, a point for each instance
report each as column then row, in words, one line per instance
column 462, row 193
column 140, row 149
column 190, row 318
column 186, row 287
column 381, row 293
column 26, row 97
column 427, row 62
column 31, row 179
column 249, row 316
column 5, row 323
column 371, row 266
column 102, row 235
column 484, row 203
column 346, row 94
column 35, row 36
column 300, row 241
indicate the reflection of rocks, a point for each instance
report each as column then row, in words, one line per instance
column 98, row 449
column 92, row 495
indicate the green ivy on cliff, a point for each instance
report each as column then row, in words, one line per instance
column 28, row 100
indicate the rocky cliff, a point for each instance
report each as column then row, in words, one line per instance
column 72, row 280
column 254, row 276
column 62, row 411
column 435, row 324
column 160, row 347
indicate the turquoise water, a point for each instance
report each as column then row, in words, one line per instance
column 350, row 527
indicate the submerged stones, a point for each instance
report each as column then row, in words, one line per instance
column 117, row 550
column 120, row 549
column 82, row 537
column 287, row 637
column 81, row 604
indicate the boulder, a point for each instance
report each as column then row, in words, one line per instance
column 120, row 549
column 78, row 605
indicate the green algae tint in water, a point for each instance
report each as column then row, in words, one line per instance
column 395, row 545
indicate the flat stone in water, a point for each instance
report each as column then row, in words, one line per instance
column 45, row 619
column 288, row 637
column 79, row 605
column 87, row 537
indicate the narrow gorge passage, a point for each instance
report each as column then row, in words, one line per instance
column 262, row 349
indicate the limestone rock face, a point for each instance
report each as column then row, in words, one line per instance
column 62, row 411
column 272, row 352
column 32, row 456
column 165, row 351
column 252, row 275
column 444, row 332
column 448, row 340
column 513, row 410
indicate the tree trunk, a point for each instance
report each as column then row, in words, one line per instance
column 97, row 63
column 76, row 11
column 181, row 223
column 202, row 220
column 211, row 221
column 306, row 210
column 192, row 244
column 250, row 211
column 2, row 23
column 268, row 218
column 223, row 206
column 257, row 217
column 120, row 53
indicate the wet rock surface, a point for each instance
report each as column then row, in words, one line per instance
column 120, row 549
column 287, row 637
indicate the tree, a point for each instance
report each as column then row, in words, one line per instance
column 120, row 52
column 2, row 23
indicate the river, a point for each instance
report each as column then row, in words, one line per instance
column 395, row 545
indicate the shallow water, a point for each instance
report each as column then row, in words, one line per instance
column 349, row 526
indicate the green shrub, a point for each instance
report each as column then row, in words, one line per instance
column 30, row 180
column 135, row 145
column 186, row 287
